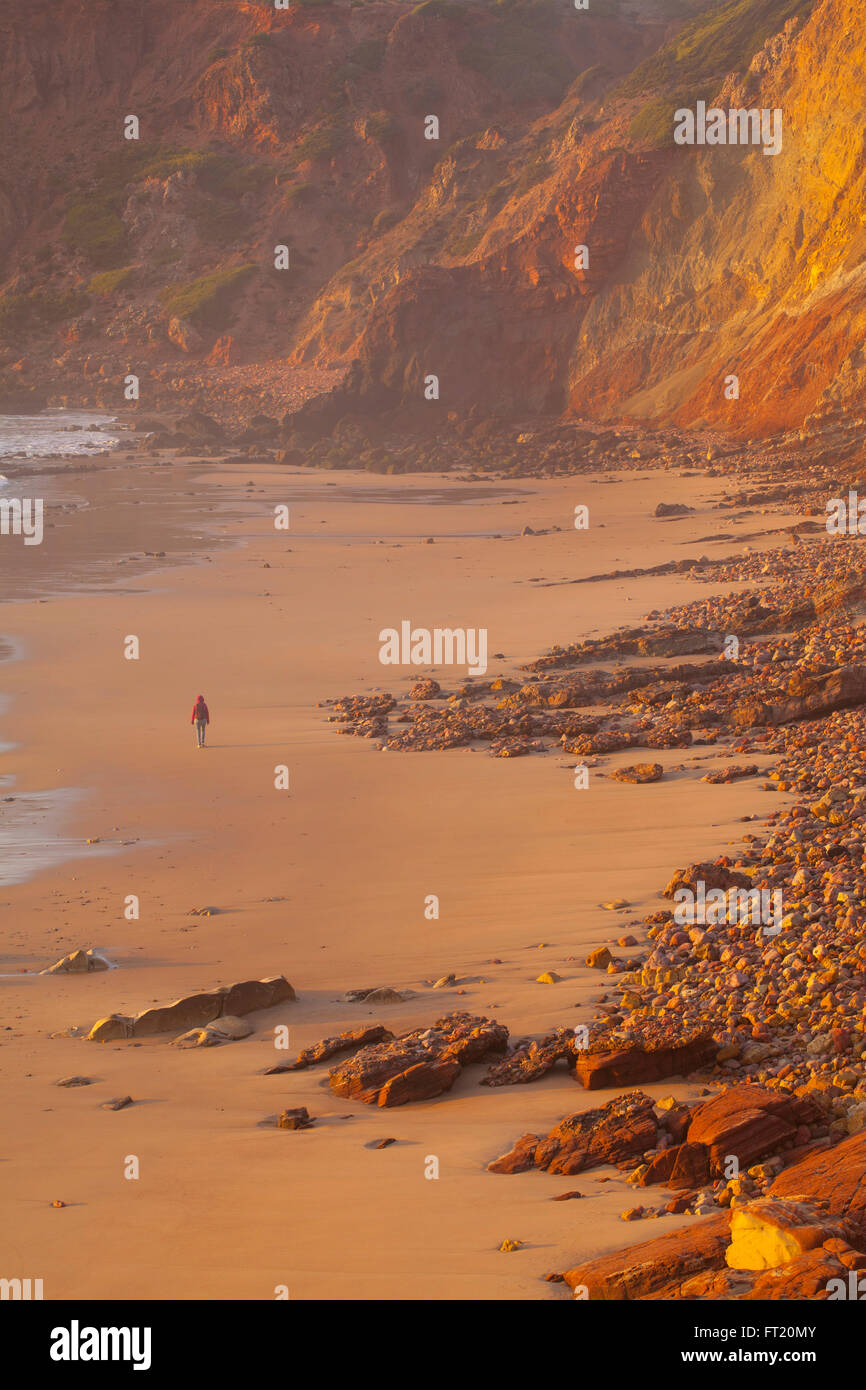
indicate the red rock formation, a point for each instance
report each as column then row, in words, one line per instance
column 836, row 1176
column 629, row 1065
column 746, row 1122
column 329, row 1047
column 618, row 1132
column 682, row 1165
column 420, row 1065
column 638, row 1271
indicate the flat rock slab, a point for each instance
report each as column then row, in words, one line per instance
column 836, row 1176
column 349, row 1041
column 627, row 1275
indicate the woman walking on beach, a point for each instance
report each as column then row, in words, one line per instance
column 201, row 719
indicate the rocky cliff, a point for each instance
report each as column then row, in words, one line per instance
column 457, row 256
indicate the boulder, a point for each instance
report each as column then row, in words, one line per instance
column 712, row 875
column 225, row 1029
column 112, row 1027
column 680, row 1166
column 518, row 1158
column 386, row 995
column 425, row 690
column 78, row 963
column 599, row 959
column 746, row 1122
column 183, row 1013
column 639, row 772
column 672, row 509
column 422, row 1081
column 298, row 1118
column 250, row 995
column 773, row 1231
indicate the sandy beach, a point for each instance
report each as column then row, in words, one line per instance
column 324, row 883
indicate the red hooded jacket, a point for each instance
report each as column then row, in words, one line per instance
column 200, row 711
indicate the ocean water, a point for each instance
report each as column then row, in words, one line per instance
column 31, row 823
column 55, row 433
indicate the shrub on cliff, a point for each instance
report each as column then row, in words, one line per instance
column 111, row 280
column 720, row 40
column 206, row 301
column 94, row 230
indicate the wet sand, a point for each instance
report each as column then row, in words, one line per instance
column 325, row 883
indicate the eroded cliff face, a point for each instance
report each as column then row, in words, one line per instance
column 749, row 264
column 456, row 257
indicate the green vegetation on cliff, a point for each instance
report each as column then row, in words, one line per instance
column 206, row 301
column 720, row 40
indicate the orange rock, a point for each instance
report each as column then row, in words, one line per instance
column 745, row 1122
column 771, row 1232
column 635, row 1065
column 682, row 1165
column 634, row 1273
column 834, row 1176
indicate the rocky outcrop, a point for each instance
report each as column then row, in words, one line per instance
column 837, row 1177
column 533, row 1060
column 350, row 1041
column 773, row 1232
column 196, row 1010
column 637, row 1063
column 618, row 1132
column 420, row 1065
column 639, row 1271
column 717, row 873
column 680, row 1166
column 746, row 1123
column 805, row 1239
column 684, row 1149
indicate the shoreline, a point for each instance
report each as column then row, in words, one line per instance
column 445, row 819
